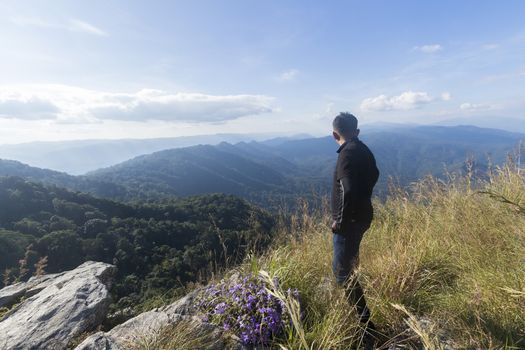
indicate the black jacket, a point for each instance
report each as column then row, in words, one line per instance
column 355, row 175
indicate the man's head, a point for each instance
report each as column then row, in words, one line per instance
column 345, row 127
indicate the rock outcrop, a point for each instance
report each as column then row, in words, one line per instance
column 55, row 308
column 150, row 324
column 11, row 294
column 48, row 311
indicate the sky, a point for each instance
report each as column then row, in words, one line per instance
column 141, row 69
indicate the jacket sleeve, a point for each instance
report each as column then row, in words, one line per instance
column 347, row 188
column 347, row 178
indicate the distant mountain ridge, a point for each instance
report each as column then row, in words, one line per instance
column 281, row 170
column 76, row 157
column 99, row 188
column 493, row 122
column 192, row 170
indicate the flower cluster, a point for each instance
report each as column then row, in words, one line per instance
column 245, row 307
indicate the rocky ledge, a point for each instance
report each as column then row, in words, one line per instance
column 151, row 324
column 48, row 311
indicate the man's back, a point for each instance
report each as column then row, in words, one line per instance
column 355, row 175
column 357, row 164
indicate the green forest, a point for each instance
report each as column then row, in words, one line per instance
column 157, row 247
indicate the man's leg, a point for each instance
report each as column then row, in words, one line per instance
column 355, row 296
column 345, row 259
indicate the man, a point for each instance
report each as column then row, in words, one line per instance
column 355, row 175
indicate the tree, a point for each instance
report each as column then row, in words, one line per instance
column 63, row 249
column 30, row 227
column 93, row 227
column 12, row 248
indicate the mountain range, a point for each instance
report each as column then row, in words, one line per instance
column 77, row 157
column 493, row 122
column 278, row 170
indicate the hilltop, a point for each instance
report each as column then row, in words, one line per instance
column 442, row 268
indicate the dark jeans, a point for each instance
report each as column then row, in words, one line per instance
column 345, row 260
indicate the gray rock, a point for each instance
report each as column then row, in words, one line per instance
column 139, row 331
column 61, row 307
column 147, row 324
column 150, row 325
column 11, row 294
column 98, row 341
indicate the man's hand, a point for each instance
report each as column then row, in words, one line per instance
column 335, row 226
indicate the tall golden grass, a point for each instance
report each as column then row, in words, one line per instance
column 450, row 252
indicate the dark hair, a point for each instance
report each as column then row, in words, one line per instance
column 345, row 124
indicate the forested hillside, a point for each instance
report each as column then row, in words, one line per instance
column 270, row 173
column 77, row 157
column 98, row 188
column 274, row 173
column 192, row 170
column 156, row 247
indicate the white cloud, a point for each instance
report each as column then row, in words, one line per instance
column 469, row 107
column 32, row 108
column 446, row 96
column 429, row 48
column 73, row 25
column 81, row 26
column 68, row 104
column 288, row 75
column 407, row 100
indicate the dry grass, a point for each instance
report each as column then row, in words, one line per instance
column 183, row 335
column 450, row 251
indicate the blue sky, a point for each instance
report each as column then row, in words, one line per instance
column 117, row 69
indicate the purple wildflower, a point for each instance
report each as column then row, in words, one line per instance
column 246, row 308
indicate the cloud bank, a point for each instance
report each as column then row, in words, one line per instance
column 73, row 104
column 405, row 101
